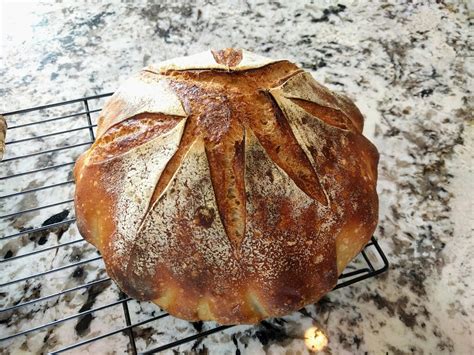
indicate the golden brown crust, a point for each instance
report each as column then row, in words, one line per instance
column 3, row 132
column 244, row 198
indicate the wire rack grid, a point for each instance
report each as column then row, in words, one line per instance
column 53, row 283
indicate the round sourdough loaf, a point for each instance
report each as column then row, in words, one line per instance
column 227, row 186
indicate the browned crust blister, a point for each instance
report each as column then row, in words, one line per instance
column 238, row 191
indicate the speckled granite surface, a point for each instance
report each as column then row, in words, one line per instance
column 409, row 69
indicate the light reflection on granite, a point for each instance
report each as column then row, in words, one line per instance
column 406, row 66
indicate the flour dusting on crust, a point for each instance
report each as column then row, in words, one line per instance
column 139, row 172
column 205, row 61
column 145, row 92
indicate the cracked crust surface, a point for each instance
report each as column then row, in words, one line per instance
column 227, row 186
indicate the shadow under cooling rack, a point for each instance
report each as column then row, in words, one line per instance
column 48, row 270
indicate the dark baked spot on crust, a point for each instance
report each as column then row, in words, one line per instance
column 270, row 175
column 204, row 216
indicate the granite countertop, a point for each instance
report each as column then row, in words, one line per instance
column 408, row 66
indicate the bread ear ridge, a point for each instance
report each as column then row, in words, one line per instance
column 107, row 143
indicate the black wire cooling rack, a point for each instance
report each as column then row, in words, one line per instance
column 37, row 219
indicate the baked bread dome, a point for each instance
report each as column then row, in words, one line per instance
column 227, row 186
